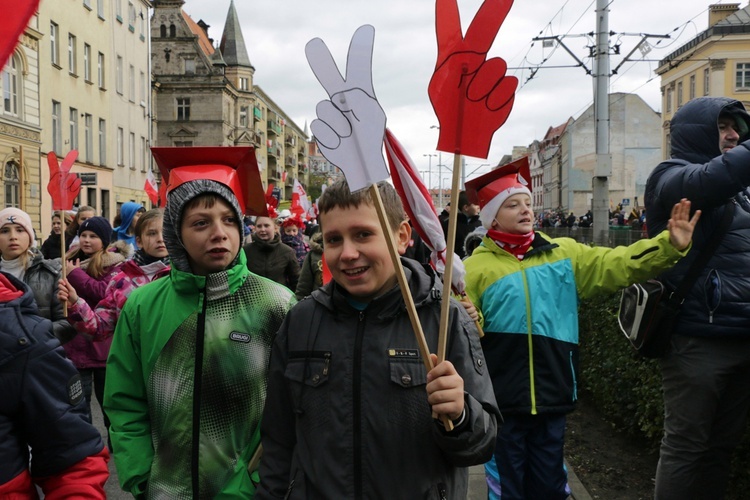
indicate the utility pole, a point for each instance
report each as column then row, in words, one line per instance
column 603, row 169
column 601, row 72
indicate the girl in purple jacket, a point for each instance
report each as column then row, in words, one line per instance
column 148, row 264
column 90, row 268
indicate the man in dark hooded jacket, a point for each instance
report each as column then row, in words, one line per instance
column 706, row 373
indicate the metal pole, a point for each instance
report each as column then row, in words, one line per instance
column 603, row 169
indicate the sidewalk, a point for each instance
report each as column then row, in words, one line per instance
column 478, row 487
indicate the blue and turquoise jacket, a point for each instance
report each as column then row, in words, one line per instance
column 530, row 310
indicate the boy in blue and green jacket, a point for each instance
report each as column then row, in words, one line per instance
column 527, row 287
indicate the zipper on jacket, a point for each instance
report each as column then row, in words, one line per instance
column 573, row 374
column 289, row 490
column 197, row 377
column 357, row 411
column 530, row 336
column 442, row 491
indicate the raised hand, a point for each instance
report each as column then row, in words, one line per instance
column 681, row 225
column 472, row 96
column 63, row 185
column 350, row 126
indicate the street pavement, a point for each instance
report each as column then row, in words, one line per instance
column 477, row 485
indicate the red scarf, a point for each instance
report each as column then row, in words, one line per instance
column 514, row 244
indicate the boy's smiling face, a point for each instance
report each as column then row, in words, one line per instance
column 211, row 237
column 356, row 252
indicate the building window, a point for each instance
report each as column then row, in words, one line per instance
column 144, row 89
column 88, row 137
column 189, row 66
column 131, row 151
column 144, row 154
column 743, row 76
column 163, row 31
column 243, row 83
column 131, row 17
column 100, row 70
column 72, row 59
column 118, row 10
column 73, row 122
column 87, row 62
column 100, row 8
column 56, row 127
column 172, row 31
column 692, row 87
column 12, row 185
column 131, row 82
column 183, row 108
column 87, row 4
column 183, row 144
column 706, row 82
column 119, row 75
column 102, row 142
column 120, row 146
column 10, row 87
column 105, row 203
column 91, row 195
column 243, row 116
column 669, row 100
column 679, row 95
column 54, row 39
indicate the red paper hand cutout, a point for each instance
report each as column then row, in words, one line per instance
column 63, row 185
column 16, row 15
column 472, row 97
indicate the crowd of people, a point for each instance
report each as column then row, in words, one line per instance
column 272, row 357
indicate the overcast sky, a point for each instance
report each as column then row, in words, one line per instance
column 405, row 50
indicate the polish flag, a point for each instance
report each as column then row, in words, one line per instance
column 150, row 187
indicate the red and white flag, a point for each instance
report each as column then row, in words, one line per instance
column 418, row 205
column 150, row 187
column 303, row 200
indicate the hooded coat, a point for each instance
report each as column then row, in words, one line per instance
column 719, row 302
column 42, row 412
column 127, row 212
column 347, row 413
column 186, row 375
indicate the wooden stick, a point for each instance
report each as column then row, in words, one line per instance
column 451, row 247
column 63, row 260
column 411, row 309
column 254, row 462
column 465, row 299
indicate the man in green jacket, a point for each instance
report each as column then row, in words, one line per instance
column 188, row 364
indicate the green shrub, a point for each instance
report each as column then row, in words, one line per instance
column 626, row 389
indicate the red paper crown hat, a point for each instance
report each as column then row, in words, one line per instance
column 514, row 176
column 235, row 167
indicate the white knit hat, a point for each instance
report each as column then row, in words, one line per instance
column 12, row 215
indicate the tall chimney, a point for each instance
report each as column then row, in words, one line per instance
column 718, row 12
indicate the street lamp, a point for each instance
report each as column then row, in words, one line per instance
column 429, row 169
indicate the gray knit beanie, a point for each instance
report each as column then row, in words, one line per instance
column 176, row 201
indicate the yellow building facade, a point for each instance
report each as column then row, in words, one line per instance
column 714, row 63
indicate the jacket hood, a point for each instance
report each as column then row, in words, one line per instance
column 424, row 284
column 316, row 242
column 694, row 130
column 127, row 212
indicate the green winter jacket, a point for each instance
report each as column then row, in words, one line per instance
column 172, row 437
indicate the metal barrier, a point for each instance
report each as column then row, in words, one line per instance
column 618, row 235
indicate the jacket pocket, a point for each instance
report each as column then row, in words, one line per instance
column 407, row 400
column 308, row 374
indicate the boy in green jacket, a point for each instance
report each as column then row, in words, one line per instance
column 188, row 364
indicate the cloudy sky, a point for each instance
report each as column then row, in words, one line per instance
column 405, row 50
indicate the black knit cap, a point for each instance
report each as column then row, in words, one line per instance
column 99, row 226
